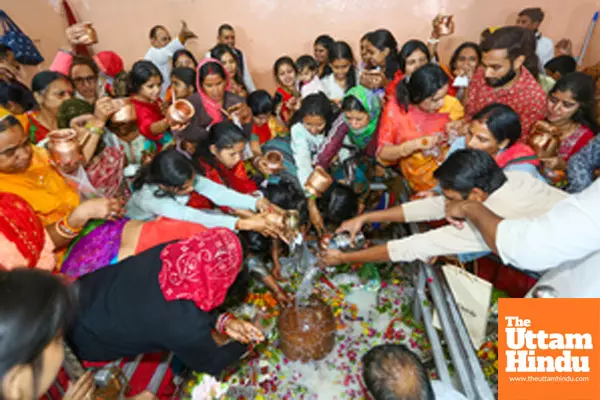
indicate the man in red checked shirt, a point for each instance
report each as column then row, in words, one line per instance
column 508, row 75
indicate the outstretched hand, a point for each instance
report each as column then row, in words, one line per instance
column 456, row 212
column 243, row 331
column 315, row 217
column 331, row 257
column 352, row 226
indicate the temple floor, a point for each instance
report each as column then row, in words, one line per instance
column 364, row 318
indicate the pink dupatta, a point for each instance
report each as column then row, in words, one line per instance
column 213, row 108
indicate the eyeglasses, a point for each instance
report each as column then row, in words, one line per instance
column 84, row 79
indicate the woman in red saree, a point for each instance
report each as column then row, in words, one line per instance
column 412, row 127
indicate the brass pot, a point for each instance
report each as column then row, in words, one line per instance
column 318, row 182
column 273, row 160
column 308, row 332
column 91, row 36
column 545, row 144
column 126, row 112
column 64, row 149
column 544, row 127
column 443, row 25
column 180, row 112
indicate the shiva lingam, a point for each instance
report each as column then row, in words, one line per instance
column 91, row 36
column 544, row 139
column 342, row 241
column 443, row 25
column 126, row 112
column 64, row 149
column 306, row 332
column 180, row 112
column 318, row 182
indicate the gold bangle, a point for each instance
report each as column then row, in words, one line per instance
column 61, row 231
column 65, row 223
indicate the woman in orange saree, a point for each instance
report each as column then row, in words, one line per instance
column 412, row 131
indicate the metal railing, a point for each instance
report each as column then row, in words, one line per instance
column 469, row 372
column 75, row 370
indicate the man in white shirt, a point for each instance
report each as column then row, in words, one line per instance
column 466, row 174
column 392, row 371
column 162, row 49
column 226, row 36
column 531, row 18
column 564, row 242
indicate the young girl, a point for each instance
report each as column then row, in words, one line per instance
column 225, row 55
column 343, row 75
column 464, row 62
column 184, row 58
column 309, row 128
column 181, row 59
column 265, row 125
column 287, row 195
column 308, row 75
column 286, row 73
column 381, row 60
column 364, row 56
column 183, row 82
column 570, row 110
column 145, row 82
column 412, row 56
column 219, row 159
column 361, row 109
column 321, row 49
column 163, row 188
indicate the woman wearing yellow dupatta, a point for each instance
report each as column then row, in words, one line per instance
column 412, row 130
column 25, row 170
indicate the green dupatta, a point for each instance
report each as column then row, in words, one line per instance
column 372, row 105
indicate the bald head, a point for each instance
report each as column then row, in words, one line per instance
column 393, row 372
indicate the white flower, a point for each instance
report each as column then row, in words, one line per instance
column 209, row 389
